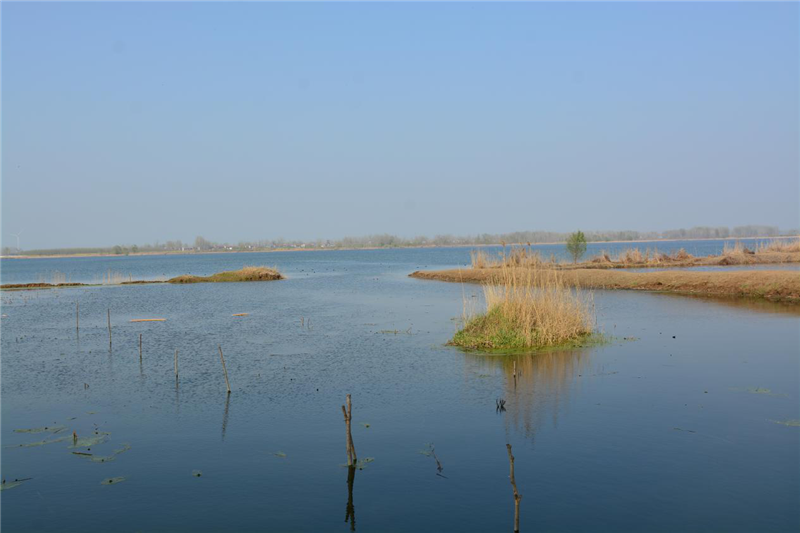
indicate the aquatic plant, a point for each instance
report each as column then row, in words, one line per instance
column 527, row 308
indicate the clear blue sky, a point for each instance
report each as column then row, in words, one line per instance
column 136, row 122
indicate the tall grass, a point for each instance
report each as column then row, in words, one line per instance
column 780, row 245
column 517, row 256
column 528, row 308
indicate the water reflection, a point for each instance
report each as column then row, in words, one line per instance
column 350, row 512
column 745, row 304
column 225, row 415
column 537, row 385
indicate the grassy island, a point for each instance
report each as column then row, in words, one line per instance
column 528, row 309
column 248, row 273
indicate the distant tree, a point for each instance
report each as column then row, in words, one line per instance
column 134, row 249
column 118, row 250
column 576, row 245
column 201, row 244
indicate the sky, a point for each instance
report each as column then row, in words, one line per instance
column 132, row 123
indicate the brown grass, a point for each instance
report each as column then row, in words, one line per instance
column 776, row 285
column 527, row 308
column 248, row 273
column 780, row 245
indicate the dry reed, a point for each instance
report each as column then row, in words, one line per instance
column 528, row 308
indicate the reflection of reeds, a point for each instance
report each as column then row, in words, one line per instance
column 528, row 308
column 55, row 277
column 112, row 277
column 543, row 384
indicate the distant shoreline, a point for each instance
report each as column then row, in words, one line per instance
column 279, row 250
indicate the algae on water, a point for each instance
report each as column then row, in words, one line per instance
column 197, row 473
column 113, row 480
column 5, row 485
column 790, row 423
column 99, row 437
column 39, row 443
column 108, row 458
column 45, row 429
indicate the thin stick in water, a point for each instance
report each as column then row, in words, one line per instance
column 109, row 330
column 77, row 314
column 517, row 496
column 224, row 370
column 140, row 347
column 348, row 417
column 176, row 365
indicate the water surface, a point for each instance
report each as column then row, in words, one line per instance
column 672, row 431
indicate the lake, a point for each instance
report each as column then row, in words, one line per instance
column 681, row 422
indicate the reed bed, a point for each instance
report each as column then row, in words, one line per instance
column 518, row 256
column 528, row 308
column 248, row 273
column 780, row 245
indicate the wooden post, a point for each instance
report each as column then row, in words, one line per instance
column 140, row 347
column 348, row 417
column 515, row 373
column 225, row 370
column 109, row 330
column 176, row 365
column 517, row 496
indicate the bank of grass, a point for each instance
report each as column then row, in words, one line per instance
column 528, row 309
column 248, row 273
column 774, row 285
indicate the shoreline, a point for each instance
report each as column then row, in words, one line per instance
column 772, row 285
column 421, row 247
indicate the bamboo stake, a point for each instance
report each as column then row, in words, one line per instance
column 352, row 459
column 109, row 330
column 225, row 370
column 517, row 496
column 176, row 365
column 140, row 347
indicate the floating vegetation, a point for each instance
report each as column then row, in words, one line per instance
column 361, row 464
column 197, row 473
column 39, row 443
column 791, row 423
column 11, row 484
column 45, row 429
column 365, row 424
column 113, row 480
column 106, row 458
column 99, row 437
column 280, row 454
column 240, row 314
column 760, row 390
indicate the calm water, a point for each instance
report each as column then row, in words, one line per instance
column 672, row 431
